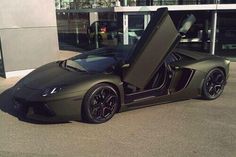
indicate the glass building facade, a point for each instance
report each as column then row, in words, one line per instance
column 226, row 34
column 107, row 28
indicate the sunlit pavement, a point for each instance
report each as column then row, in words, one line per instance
column 180, row 129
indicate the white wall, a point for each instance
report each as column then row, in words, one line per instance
column 28, row 32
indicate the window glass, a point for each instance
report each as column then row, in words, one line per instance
column 135, row 28
column 199, row 35
column 226, row 34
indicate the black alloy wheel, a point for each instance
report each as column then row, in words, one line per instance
column 100, row 103
column 213, row 84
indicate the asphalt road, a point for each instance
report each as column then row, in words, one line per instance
column 181, row 129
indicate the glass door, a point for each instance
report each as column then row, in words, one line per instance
column 133, row 26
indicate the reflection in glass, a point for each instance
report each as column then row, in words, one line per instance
column 226, row 34
column 199, row 36
column 135, row 28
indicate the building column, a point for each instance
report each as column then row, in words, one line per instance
column 125, row 29
column 93, row 18
column 213, row 32
column 147, row 18
column 125, row 3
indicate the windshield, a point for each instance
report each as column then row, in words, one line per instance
column 99, row 60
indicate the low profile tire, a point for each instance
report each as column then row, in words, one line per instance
column 213, row 84
column 100, row 103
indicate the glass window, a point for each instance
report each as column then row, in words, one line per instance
column 135, row 28
column 173, row 2
column 98, row 60
column 72, row 30
column 76, row 32
column 227, row 1
column 226, row 34
column 199, row 35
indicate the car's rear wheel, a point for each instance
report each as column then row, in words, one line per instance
column 213, row 84
column 100, row 103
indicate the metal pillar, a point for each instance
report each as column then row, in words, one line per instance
column 125, row 29
column 96, row 35
column 93, row 18
column 125, row 3
column 146, row 20
column 213, row 32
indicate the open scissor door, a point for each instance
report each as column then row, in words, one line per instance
column 158, row 40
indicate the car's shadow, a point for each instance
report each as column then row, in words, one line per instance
column 7, row 105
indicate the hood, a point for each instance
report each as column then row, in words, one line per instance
column 52, row 75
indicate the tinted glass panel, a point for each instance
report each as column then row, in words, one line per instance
column 226, row 34
column 199, row 36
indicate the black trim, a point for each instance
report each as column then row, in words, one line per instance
column 150, row 93
column 2, row 72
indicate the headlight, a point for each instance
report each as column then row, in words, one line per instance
column 51, row 91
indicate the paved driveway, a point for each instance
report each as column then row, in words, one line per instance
column 180, row 129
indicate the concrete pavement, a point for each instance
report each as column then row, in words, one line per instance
column 180, row 129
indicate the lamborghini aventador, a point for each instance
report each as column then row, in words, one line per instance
column 94, row 85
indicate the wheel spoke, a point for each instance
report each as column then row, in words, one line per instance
column 97, row 97
column 210, row 89
column 109, row 98
column 218, row 88
column 218, row 76
column 210, row 78
column 103, row 93
column 106, row 112
column 214, row 91
column 215, row 83
column 209, row 81
column 96, row 112
column 103, row 104
column 99, row 113
column 94, row 102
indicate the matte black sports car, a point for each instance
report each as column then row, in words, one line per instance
column 95, row 85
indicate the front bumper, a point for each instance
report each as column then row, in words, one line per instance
column 31, row 105
column 53, row 111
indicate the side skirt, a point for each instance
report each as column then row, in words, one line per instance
column 156, row 100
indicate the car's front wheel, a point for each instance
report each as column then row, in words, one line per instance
column 213, row 84
column 100, row 103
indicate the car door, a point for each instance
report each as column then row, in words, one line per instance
column 158, row 40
